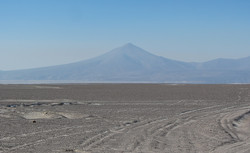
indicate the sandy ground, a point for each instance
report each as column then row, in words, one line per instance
column 122, row 118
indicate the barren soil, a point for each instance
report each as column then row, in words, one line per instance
column 122, row 118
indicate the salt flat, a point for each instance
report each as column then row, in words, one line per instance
column 119, row 118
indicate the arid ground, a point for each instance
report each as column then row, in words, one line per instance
column 123, row 118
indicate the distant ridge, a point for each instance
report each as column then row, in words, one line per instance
column 130, row 63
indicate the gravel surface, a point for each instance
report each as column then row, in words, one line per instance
column 122, row 118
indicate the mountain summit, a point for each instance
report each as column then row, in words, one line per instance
column 130, row 49
column 130, row 63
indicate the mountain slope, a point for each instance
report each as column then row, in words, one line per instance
column 227, row 64
column 126, row 63
column 130, row 63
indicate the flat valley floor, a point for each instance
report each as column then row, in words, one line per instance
column 124, row 118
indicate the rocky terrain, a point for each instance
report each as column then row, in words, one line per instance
column 122, row 118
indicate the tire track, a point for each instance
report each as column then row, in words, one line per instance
column 40, row 132
column 155, row 130
column 227, row 124
column 41, row 141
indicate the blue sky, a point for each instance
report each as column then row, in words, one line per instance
column 35, row 33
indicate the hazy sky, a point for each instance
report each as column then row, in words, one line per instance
column 36, row 33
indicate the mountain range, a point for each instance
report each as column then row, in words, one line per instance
column 130, row 63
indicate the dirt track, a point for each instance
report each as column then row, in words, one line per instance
column 120, row 118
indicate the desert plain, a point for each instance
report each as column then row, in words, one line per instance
column 124, row 118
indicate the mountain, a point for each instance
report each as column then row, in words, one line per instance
column 227, row 64
column 130, row 63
